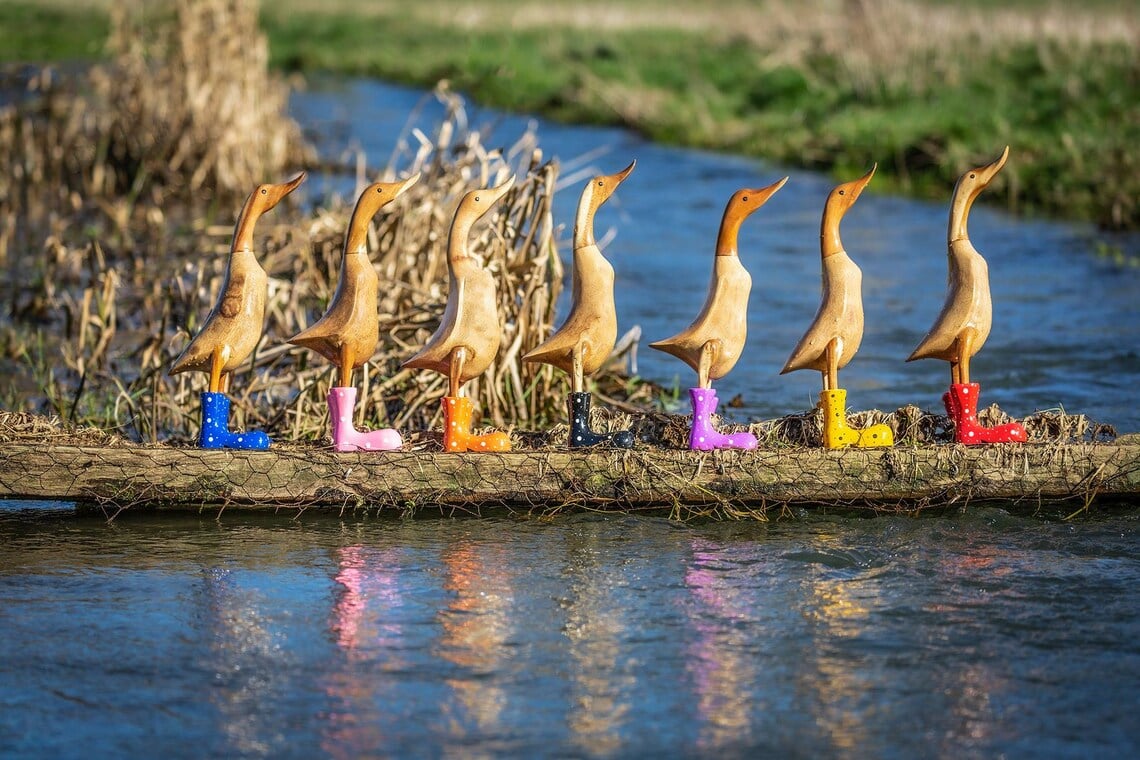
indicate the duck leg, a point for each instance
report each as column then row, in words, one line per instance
column 581, row 434
column 837, row 434
column 457, row 410
column 215, row 431
column 342, row 405
column 703, row 436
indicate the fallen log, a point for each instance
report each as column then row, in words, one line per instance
column 680, row 483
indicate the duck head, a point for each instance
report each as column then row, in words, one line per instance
column 472, row 207
column 596, row 192
column 970, row 185
column 262, row 199
column 842, row 198
column 374, row 197
column 740, row 206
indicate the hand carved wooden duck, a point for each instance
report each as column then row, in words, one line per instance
column 234, row 326
column 585, row 340
column 712, row 344
column 346, row 335
column 467, row 339
column 964, row 322
column 835, row 334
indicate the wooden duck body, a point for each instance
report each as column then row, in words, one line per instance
column 352, row 320
column 968, row 306
column 233, row 327
column 837, row 330
column 839, row 318
column 723, row 320
column 590, row 330
column 235, row 323
column 470, row 320
column 967, row 313
column 350, row 328
column 592, row 323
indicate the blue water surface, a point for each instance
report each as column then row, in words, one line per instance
column 976, row 635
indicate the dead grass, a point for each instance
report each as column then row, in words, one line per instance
column 121, row 197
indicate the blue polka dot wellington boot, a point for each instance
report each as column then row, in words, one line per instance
column 580, row 433
column 216, row 427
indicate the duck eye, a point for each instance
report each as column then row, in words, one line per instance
column 264, row 191
column 601, row 183
column 476, row 198
column 379, row 191
column 972, row 175
column 842, row 192
column 745, row 199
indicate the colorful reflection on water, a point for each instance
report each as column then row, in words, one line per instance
column 981, row 634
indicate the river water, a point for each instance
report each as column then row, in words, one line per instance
column 976, row 634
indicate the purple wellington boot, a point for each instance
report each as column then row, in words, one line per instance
column 703, row 437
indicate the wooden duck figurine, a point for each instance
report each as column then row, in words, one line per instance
column 712, row 344
column 346, row 335
column 467, row 339
column 581, row 346
column 835, row 334
column 234, row 326
column 964, row 322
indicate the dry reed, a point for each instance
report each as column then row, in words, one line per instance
column 118, row 240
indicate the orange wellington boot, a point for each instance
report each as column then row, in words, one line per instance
column 457, row 429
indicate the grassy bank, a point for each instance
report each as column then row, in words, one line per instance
column 923, row 88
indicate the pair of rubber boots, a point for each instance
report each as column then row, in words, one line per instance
column 457, row 434
column 962, row 405
column 215, row 432
column 703, row 436
column 583, row 436
column 837, row 434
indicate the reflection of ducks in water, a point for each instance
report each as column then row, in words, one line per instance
column 467, row 339
column 837, row 330
column 712, row 344
column 346, row 335
column 585, row 340
column 964, row 322
column 475, row 627
column 234, row 326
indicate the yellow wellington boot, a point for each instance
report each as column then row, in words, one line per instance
column 837, row 434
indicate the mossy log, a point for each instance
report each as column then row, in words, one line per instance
column 681, row 483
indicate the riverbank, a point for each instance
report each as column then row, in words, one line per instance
column 925, row 89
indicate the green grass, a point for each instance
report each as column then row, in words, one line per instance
column 1069, row 112
column 38, row 32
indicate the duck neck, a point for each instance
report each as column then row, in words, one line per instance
column 959, row 213
column 457, row 237
column 243, row 232
column 726, row 239
column 357, row 238
column 829, row 242
column 584, row 222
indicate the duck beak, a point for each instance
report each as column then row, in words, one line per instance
column 406, row 184
column 620, row 176
column 277, row 192
column 605, row 185
column 985, row 174
column 758, row 197
column 496, row 193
